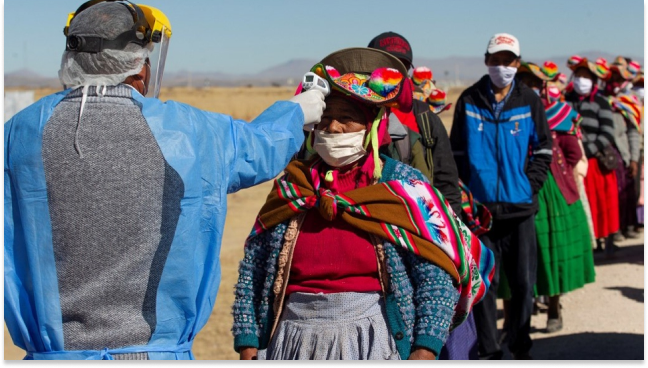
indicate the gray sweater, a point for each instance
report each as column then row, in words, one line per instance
column 626, row 139
column 597, row 125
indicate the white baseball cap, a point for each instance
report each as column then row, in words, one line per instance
column 503, row 42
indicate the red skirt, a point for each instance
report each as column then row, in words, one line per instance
column 603, row 197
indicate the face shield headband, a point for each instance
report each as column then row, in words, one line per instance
column 140, row 34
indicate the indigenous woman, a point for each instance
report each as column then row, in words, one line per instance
column 626, row 115
column 565, row 259
column 598, row 136
column 355, row 255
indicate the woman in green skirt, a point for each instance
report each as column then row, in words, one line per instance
column 565, row 259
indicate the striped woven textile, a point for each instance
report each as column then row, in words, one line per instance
column 411, row 214
column 629, row 106
column 562, row 118
column 478, row 217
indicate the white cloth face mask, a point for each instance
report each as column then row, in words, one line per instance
column 502, row 76
column 582, row 85
column 339, row 149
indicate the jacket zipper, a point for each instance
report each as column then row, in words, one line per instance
column 497, row 148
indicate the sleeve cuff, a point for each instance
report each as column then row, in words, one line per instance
column 246, row 340
column 429, row 342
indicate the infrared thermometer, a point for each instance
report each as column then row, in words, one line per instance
column 314, row 81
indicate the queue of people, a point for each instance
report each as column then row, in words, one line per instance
column 385, row 237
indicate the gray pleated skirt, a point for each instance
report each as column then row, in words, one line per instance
column 340, row 326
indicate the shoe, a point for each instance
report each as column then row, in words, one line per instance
column 554, row 324
column 630, row 234
column 618, row 238
column 522, row 355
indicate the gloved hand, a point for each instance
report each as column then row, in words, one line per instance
column 312, row 105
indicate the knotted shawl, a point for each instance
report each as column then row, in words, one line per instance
column 411, row 214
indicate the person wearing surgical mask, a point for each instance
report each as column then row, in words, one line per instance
column 597, row 129
column 326, row 275
column 503, row 148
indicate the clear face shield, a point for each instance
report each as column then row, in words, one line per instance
column 161, row 37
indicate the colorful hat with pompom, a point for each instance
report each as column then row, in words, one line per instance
column 628, row 70
column 437, row 100
column 600, row 68
column 634, row 67
column 529, row 67
column 369, row 75
column 550, row 69
column 421, row 74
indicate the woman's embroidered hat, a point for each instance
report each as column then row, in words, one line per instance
column 600, row 68
column 529, row 67
column 369, row 75
column 627, row 70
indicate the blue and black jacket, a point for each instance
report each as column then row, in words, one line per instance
column 503, row 160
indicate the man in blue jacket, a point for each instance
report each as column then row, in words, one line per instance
column 115, row 202
column 503, row 148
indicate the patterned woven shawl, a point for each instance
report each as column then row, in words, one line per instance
column 629, row 106
column 411, row 214
column 562, row 118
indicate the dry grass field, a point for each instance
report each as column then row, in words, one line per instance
column 214, row 342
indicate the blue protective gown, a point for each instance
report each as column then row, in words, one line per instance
column 213, row 154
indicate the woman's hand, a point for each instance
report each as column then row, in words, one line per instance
column 422, row 354
column 633, row 168
column 248, row 353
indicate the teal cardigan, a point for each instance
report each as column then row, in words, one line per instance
column 419, row 303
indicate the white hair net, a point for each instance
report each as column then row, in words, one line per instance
column 108, row 67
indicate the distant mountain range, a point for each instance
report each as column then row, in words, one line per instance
column 448, row 71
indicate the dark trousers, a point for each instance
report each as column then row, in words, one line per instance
column 513, row 242
column 627, row 200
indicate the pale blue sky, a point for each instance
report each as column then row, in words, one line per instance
column 248, row 36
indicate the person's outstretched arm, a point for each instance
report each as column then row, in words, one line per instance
column 252, row 153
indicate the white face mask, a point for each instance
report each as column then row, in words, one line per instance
column 582, row 85
column 502, row 76
column 339, row 149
